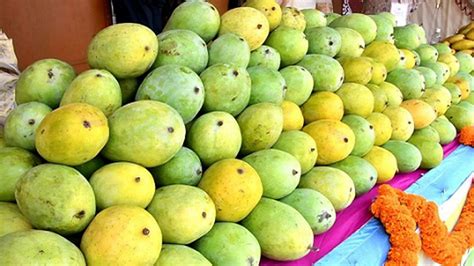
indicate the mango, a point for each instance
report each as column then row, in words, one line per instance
column 38, row 247
column 442, row 71
column 89, row 167
column 384, row 162
column 122, row 183
column 352, row 43
column 460, row 116
column 299, row 84
column 227, row 88
column 323, row 105
column 406, row 38
column 265, row 56
column 314, row 18
column 383, row 52
column 215, row 136
column 402, row 122
column 422, row 113
column 363, row 24
column 362, row 173
column 98, row 88
column 379, row 72
column 333, row 183
column 135, row 235
column 174, row 254
column 247, row 22
column 290, row 43
column 451, row 61
column 293, row 18
column 315, row 208
column 292, row 116
column 382, row 127
column 184, row 168
column 133, row 128
column 301, row 145
column 261, row 125
column 127, row 50
column 279, row 171
column 229, row 244
column 66, row 209
column 328, row 74
column 235, row 188
column 431, row 152
column 334, row 139
column 429, row 75
column 177, row 86
column 407, row 155
column 174, row 205
column 182, row 48
column 268, row 220
column 380, row 97
column 324, row 40
column 446, row 130
column 364, row 134
column 427, row 133
column 268, row 85
column 394, row 95
column 357, row 69
column 72, row 134
column 439, row 98
column 231, row 49
column 466, row 62
column 12, row 219
column 410, row 82
column 21, row 124
column 129, row 88
column 206, row 25
column 384, row 28
column 363, row 106
column 269, row 8
column 428, row 54
column 44, row 81
column 330, row 17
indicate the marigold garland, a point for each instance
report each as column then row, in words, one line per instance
column 466, row 136
column 400, row 212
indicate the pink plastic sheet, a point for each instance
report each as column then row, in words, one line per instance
column 353, row 217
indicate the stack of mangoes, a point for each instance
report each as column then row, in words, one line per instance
column 222, row 139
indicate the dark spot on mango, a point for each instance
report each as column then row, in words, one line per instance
column 50, row 73
column 342, row 78
column 137, row 179
column 98, row 75
column 31, row 122
column 331, row 43
column 213, row 8
column 313, row 149
column 371, row 178
column 146, row 231
column 273, row 8
column 235, row 73
column 402, row 58
column 346, row 140
column 350, row 189
column 41, row 251
column 196, row 90
column 241, row 39
column 42, row 131
column 324, row 216
column 267, row 51
column 86, row 124
column 285, row 88
column 204, row 214
column 80, row 214
column 361, row 46
column 409, row 122
column 240, row 171
column 371, row 127
column 234, row 98
column 294, row 172
column 198, row 171
column 259, row 26
column 147, row 48
column 220, row 123
column 266, row 9
column 170, row 129
column 250, row 261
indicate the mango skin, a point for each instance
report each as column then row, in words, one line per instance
column 21, row 124
column 301, row 145
column 328, row 74
column 364, row 134
column 408, row 156
column 299, row 84
column 215, row 136
column 333, row 183
column 66, row 209
column 290, row 43
column 382, row 127
column 72, row 134
column 229, row 244
column 265, row 56
column 230, row 49
column 269, row 8
column 122, row 183
column 431, row 153
column 323, row 105
column 247, row 22
column 279, row 171
column 175, row 254
column 268, row 85
column 132, row 131
column 446, row 130
column 349, row 92
column 184, row 168
column 22, row 248
column 315, row 208
column 134, row 232
column 255, row 121
column 234, row 193
column 14, row 163
column 269, row 219
column 402, row 122
column 12, row 219
column 292, row 116
column 173, row 206
column 136, row 54
column 334, row 139
column 363, row 24
column 384, row 162
column 44, row 81
column 423, row 114
column 362, row 173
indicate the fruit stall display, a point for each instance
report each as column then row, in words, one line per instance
column 222, row 140
column 463, row 40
